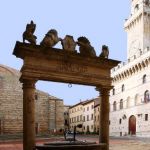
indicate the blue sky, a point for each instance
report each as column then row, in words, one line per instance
column 100, row 21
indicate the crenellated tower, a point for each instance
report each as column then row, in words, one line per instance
column 137, row 27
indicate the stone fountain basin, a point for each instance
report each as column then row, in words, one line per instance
column 66, row 145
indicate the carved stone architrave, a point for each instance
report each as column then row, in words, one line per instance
column 56, row 65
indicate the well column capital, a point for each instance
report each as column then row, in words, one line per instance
column 102, row 89
column 28, row 83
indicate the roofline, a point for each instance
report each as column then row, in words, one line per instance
column 85, row 103
column 96, row 105
column 82, row 103
column 76, row 105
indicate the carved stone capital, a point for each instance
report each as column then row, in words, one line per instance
column 103, row 88
column 28, row 84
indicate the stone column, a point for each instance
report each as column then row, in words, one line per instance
column 104, row 116
column 28, row 114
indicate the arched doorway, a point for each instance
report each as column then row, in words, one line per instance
column 132, row 125
column 88, row 129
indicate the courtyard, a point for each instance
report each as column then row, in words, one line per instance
column 123, row 143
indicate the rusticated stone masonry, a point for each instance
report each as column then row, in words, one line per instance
column 11, row 106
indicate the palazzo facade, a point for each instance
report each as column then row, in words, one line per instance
column 130, row 97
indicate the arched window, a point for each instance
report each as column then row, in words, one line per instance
column 137, row 99
column 128, row 102
column 121, row 104
column 144, row 79
column 120, row 121
column 114, row 106
column 88, row 129
column 136, row 8
column 122, row 88
column 113, row 92
column 146, row 96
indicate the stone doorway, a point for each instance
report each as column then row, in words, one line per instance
column 132, row 125
column 88, row 129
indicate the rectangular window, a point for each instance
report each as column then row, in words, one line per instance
column 84, row 118
column 146, row 117
column 92, row 116
column 36, row 97
column 74, row 119
column 77, row 118
column 120, row 121
column 80, row 117
column 87, row 117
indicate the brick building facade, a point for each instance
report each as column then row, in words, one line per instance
column 48, row 109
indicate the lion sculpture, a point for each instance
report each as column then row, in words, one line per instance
column 28, row 33
column 105, row 52
column 85, row 47
column 50, row 39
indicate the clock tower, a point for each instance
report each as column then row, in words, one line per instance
column 137, row 27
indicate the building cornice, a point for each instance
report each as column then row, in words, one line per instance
column 125, row 70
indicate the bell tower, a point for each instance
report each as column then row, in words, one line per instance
column 137, row 27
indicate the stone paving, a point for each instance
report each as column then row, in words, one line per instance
column 129, row 145
column 125, row 143
column 115, row 143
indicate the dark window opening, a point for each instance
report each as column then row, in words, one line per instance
column 121, row 104
column 146, row 117
column 120, row 121
column 144, row 79
column 114, row 106
column 113, row 91
column 123, row 88
column 36, row 97
column 146, row 96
